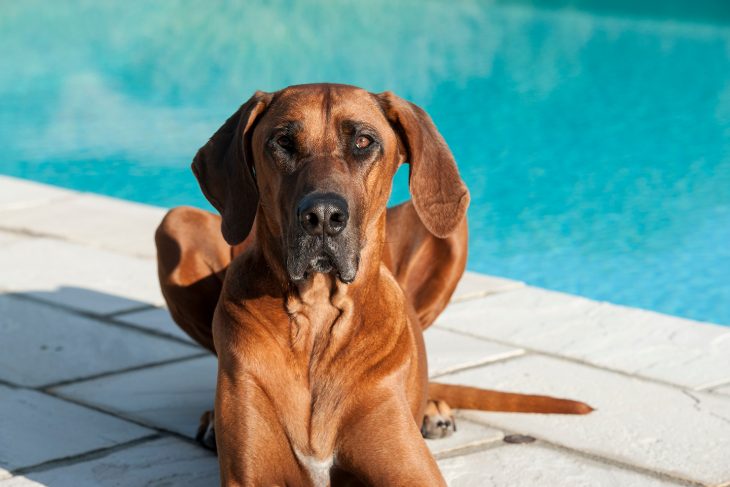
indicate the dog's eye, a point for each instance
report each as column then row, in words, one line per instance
column 363, row 141
column 285, row 141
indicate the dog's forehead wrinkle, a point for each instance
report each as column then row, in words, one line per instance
column 326, row 100
column 288, row 125
column 327, row 104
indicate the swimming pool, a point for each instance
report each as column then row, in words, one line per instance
column 596, row 143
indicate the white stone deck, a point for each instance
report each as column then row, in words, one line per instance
column 98, row 386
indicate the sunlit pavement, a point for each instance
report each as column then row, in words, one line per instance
column 99, row 387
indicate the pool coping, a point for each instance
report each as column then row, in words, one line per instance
column 682, row 358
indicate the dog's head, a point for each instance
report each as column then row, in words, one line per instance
column 316, row 162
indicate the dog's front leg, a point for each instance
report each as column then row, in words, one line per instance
column 252, row 447
column 384, row 447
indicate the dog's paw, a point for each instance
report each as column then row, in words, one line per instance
column 206, row 431
column 438, row 421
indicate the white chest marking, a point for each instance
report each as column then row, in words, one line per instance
column 318, row 470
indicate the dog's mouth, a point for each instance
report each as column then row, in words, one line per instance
column 322, row 263
column 308, row 257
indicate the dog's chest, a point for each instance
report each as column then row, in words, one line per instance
column 317, row 469
column 319, row 325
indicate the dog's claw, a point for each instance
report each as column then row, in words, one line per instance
column 438, row 421
column 206, row 431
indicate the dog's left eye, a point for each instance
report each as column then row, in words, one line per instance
column 284, row 141
column 363, row 141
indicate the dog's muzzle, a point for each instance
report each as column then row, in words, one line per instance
column 322, row 240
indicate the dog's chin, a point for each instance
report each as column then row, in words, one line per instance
column 321, row 264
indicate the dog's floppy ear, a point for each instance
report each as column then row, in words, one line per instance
column 439, row 195
column 224, row 169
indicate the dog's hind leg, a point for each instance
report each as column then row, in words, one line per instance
column 206, row 430
column 192, row 258
column 438, row 420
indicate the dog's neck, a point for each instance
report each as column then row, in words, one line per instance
column 320, row 314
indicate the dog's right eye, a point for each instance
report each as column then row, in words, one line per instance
column 363, row 142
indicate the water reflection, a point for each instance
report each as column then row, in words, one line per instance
column 595, row 146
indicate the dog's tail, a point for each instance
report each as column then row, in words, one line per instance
column 465, row 397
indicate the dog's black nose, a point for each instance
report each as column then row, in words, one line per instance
column 323, row 214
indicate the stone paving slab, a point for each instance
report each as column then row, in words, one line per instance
column 161, row 462
column 37, row 428
column 8, row 237
column 169, row 461
column 467, row 437
column 636, row 422
column 473, row 285
column 19, row 193
column 42, row 345
column 170, row 397
column 101, row 264
column 154, row 319
column 77, row 276
column 173, row 396
column 125, row 227
column 448, row 351
column 634, row 341
column 536, row 465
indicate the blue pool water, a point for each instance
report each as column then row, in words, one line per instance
column 595, row 138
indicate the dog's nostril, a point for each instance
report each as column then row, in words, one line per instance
column 312, row 219
column 337, row 217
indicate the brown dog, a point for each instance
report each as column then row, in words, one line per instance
column 315, row 296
